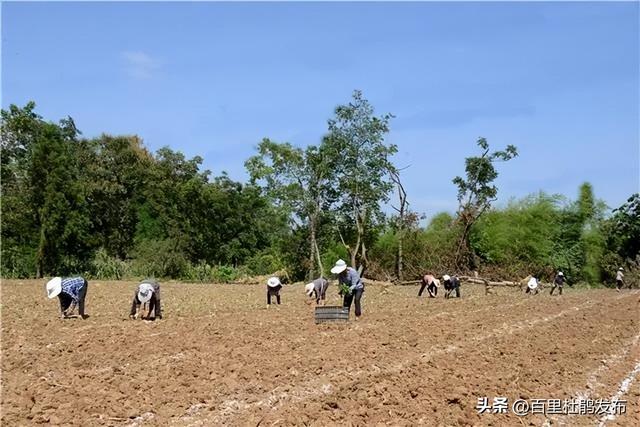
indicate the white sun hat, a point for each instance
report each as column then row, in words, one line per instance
column 533, row 283
column 339, row 267
column 446, row 277
column 273, row 282
column 54, row 287
column 560, row 273
column 308, row 288
column 145, row 291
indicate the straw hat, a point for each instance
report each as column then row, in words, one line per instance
column 145, row 292
column 309, row 288
column 339, row 267
column 273, row 282
column 54, row 287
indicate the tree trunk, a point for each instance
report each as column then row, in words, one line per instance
column 320, row 266
column 40, row 254
column 399, row 259
column 312, row 249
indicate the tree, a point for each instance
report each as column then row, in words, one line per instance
column 19, row 130
column 476, row 193
column 623, row 229
column 362, row 164
column 59, row 199
column 298, row 181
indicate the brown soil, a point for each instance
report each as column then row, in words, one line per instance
column 219, row 357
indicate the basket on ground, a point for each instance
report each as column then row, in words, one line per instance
column 331, row 314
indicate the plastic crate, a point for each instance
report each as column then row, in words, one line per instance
column 325, row 314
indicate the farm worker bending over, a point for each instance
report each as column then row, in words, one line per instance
column 273, row 288
column 451, row 284
column 147, row 292
column 619, row 279
column 532, row 286
column 347, row 276
column 317, row 287
column 70, row 291
column 431, row 283
column 558, row 282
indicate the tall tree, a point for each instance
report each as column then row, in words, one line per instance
column 60, row 201
column 476, row 192
column 362, row 163
column 20, row 128
column 299, row 181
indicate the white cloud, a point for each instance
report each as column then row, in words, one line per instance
column 140, row 65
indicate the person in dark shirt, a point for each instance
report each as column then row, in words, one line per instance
column 317, row 288
column 273, row 289
column 350, row 279
column 147, row 293
column 71, row 291
column 558, row 282
column 451, row 285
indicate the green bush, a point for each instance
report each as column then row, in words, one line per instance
column 104, row 266
column 159, row 258
column 263, row 263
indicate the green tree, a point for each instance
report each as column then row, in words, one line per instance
column 59, row 199
column 299, row 182
column 361, row 162
column 20, row 128
column 476, row 193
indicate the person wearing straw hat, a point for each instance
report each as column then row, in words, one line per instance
column 532, row 286
column 147, row 292
column 451, row 285
column 619, row 279
column 431, row 283
column 71, row 291
column 558, row 282
column 273, row 289
column 318, row 288
column 349, row 277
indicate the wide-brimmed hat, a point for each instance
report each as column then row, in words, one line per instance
column 339, row 267
column 446, row 277
column 273, row 282
column 308, row 288
column 54, row 287
column 145, row 292
column 560, row 273
column 621, row 269
column 533, row 283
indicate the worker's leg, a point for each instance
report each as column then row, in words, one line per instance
column 357, row 298
column 424, row 285
column 82, row 295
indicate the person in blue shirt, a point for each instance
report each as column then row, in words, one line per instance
column 71, row 291
column 350, row 277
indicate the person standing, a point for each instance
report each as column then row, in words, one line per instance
column 431, row 283
column 451, row 285
column 148, row 291
column 349, row 277
column 71, row 291
column 619, row 279
column 273, row 289
column 558, row 282
column 318, row 288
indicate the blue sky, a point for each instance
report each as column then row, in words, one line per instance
column 558, row 80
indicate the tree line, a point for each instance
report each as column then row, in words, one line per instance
column 107, row 207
